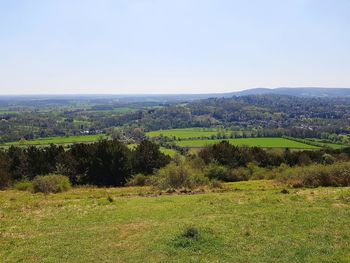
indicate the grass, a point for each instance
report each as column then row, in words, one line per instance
column 59, row 140
column 334, row 146
column 187, row 133
column 251, row 222
column 251, row 142
column 121, row 110
column 169, row 152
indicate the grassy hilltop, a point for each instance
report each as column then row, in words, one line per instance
column 248, row 222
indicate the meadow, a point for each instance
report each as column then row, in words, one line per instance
column 164, row 150
column 187, row 133
column 58, row 140
column 252, row 221
column 250, row 142
column 121, row 110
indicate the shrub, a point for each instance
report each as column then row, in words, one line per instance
column 197, row 179
column 51, row 184
column 216, row 183
column 139, row 180
column 337, row 174
column 172, row 176
column 239, row 174
column 23, row 186
column 5, row 178
column 178, row 175
column 215, row 171
column 328, row 159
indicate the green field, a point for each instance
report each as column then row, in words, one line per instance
column 121, row 110
column 58, row 140
column 327, row 144
column 250, row 142
column 187, row 133
column 169, row 152
column 250, row 222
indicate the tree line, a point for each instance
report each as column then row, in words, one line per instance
column 104, row 163
column 112, row 163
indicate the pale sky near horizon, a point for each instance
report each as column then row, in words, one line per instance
column 178, row 46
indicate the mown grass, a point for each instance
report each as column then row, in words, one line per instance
column 250, row 142
column 59, row 140
column 250, row 222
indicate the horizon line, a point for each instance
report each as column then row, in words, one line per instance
column 159, row 94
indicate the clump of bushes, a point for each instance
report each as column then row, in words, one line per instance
column 139, row 180
column 337, row 174
column 51, row 183
column 251, row 172
column 177, row 175
column 215, row 171
column 23, row 186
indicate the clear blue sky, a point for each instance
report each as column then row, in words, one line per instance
column 172, row 46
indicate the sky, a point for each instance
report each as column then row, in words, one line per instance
column 172, row 46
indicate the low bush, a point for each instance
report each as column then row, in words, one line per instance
column 179, row 175
column 337, row 174
column 215, row 171
column 139, row 180
column 239, row 174
column 23, row 186
column 216, row 184
column 52, row 183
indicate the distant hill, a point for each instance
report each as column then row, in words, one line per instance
column 300, row 92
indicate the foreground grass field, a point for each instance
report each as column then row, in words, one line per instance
column 250, row 222
column 251, row 142
column 59, row 140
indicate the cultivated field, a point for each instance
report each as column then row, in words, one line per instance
column 169, row 152
column 250, row 222
column 187, row 133
column 164, row 150
column 251, row 142
column 58, row 140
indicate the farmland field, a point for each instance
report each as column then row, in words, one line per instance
column 169, row 152
column 327, row 144
column 251, row 142
column 187, row 133
column 249, row 222
column 59, row 140
column 116, row 110
column 164, row 150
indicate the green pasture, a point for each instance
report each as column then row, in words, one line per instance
column 187, row 133
column 250, row 142
column 121, row 110
column 245, row 222
column 169, row 152
column 164, row 150
column 58, row 140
